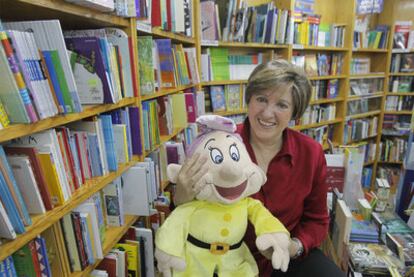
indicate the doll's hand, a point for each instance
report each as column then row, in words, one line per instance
column 167, row 262
column 189, row 178
column 278, row 243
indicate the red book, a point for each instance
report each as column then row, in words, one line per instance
column 133, row 66
column 156, row 13
column 77, row 229
column 31, row 152
column 35, row 259
column 335, row 177
column 190, row 107
column 66, row 135
column 162, row 115
column 109, row 264
column 169, row 25
column 65, row 156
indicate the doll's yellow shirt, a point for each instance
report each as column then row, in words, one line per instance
column 214, row 222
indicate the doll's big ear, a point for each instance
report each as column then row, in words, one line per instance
column 172, row 172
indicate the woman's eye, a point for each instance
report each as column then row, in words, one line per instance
column 234, row 152
column 216, row 156
column 261, row 99
column 282, row 106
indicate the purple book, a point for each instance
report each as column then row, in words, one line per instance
column 172, row 154
column 166, row 63
column 89, row 70
column 135, row 130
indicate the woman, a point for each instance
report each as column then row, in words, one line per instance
column 295, row 191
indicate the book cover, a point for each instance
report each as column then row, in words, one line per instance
column 70, row 242
column 26, row 182
column 108, row 133
column 89, row 70
column 218, row 100
column 6, row 227
column 47, row 164
column 134, row 118
column 114, row 203
column 145, row 65
column 9, row 93
column 165, row 55
column 23, row 261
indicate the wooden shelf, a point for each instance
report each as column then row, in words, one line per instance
column 224, row 82
column 367, row 76
column 362, row 115
column 112, row 236
column 164, row 184
column 391, row 162
column 315, row 125
column 244, row 45
column 370, row 50
column 44, row 221
column 402, row 74
column 296, row 47
column 326, row 100
column 362, row 139
column 18, row 130
column 227, row 113
column 400, row 93
column 369, row 95
column 164, row 92
column 327, row 77
column 70, row 15
column 164, row 139
column 158, row 32
column 369, row 163
column 399, row 112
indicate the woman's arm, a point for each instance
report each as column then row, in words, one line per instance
column 313, row 226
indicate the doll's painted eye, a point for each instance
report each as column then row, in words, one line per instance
column 234, row 152
column 216, row 155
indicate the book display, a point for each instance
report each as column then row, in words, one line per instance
column 97, row 97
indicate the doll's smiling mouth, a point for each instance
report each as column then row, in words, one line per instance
column 233, row 192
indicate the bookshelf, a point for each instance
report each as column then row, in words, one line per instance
column 71, row 17
column 338, row 12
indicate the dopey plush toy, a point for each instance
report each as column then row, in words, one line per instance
column 205, row 236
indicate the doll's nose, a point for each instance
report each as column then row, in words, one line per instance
column 228, row 172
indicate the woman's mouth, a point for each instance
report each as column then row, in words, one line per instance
column 266, row 124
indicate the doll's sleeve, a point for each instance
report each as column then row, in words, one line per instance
column 262, row 220
column 172, row 234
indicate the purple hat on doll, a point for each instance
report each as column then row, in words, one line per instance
column 211, row 123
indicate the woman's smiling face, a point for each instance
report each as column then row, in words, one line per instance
column 269, row 113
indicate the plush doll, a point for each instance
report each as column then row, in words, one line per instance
column 205, row 236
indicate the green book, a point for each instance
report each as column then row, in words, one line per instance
column 220, row 63
column 23, row 261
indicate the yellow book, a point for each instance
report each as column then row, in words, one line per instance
column 52, row 180
column 4, row 119
column 132, row 250
column 179, row 112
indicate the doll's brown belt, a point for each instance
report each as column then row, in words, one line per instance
column 216, row 248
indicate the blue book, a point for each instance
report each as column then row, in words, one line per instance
column 134, row 119
column 108, row 132
column 86, row 238
column 43, row 257
column 145, row 113
column 125, row 120
column 13, row 189
column 3, row 271
column 54, row 79
column 10, row 268
column 72, row 144
column 93, row 147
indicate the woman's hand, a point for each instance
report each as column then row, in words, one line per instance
column 189, row 180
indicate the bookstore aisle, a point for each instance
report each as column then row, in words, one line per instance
column 98, row 97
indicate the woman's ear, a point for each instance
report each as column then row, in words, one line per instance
column 172, row 172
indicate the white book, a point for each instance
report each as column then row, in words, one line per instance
column 90, row 208
column 120, row 141
column 6, row 228
column 178, row 15
column 119, row 38
column 120, row 265
column 153, row 176
column 26, row 181
column 147, row 236
column 47, row 141
column 135, row 192
column 48, row 36
column 342, row 227
column 93, row 127
column 114, row 206
column 98, row 273
column 100, row 5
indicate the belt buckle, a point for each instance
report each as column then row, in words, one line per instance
column 219, row 248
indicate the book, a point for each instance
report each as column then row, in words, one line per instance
column 9, row 93
column 218, row 100
column 70, row 242
column 114, row 203
column 402, row 245
column 341, row 228
column 6, row 227
column 89, row 70
column 26, row 182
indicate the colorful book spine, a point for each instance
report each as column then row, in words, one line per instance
column 4, row 119
column 24, row 92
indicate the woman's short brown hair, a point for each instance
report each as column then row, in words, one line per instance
column 278, row 72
